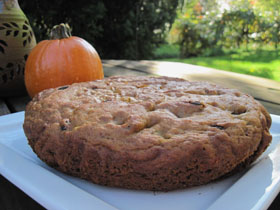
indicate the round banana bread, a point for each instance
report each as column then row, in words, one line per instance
column 150, row 133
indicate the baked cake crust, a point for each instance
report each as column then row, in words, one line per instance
column 151, row 133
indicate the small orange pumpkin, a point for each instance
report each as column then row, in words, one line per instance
column 63, row 60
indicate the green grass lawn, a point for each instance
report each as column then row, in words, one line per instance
column 263, row 63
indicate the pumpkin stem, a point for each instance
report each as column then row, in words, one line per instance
column 60, row 31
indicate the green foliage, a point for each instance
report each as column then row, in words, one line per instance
column 167, row 51
column 203, row 29
column 195, row 38
column 117, row 29
column 238, row 25
column 197, row 29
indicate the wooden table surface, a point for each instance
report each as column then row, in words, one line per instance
column 265, row 91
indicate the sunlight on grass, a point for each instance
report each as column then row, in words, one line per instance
column 261, row 63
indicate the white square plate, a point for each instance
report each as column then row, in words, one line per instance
column 254, row 188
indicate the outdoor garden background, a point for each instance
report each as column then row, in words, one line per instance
column 234, row 35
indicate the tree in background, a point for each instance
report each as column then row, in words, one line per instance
column 117, row 29
column 205, row 27
column 270, row 10
column 239, row 24
column 197, row 27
